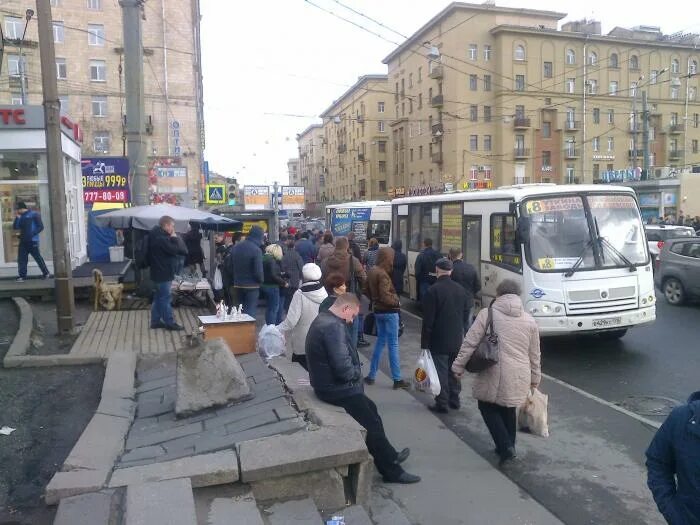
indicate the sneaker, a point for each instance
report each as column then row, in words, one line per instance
column 47, row 276
column 437, row 409
column 369, row 380
column 401, row 384
column 362, row 343
column 402, row 456
column 20, row 279
column 174, row 327
column 404, row 478
column 157, row 325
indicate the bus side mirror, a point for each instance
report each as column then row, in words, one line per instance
column 523, row 230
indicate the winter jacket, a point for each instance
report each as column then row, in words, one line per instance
column 673, row 463
column 306, row 249
column 445, row 313
column 400, row 263
column 291, row 267
column 379, row 287
column 272, row 270
column 324, row 251
column 246, row 257
column 371, row 257
column 193, row 241
column 339, row 261
column 334, row 365
column 465, row 274
column 425, row 265
column 302, row 311
column 163, row 251
column 355, row 249
column 506, row 383
column 29, row 225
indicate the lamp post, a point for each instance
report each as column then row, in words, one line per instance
column 28, row 14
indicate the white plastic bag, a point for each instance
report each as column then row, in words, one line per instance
column 533, row 414
column 218, row 280
column 270, row 342
column 425, row 376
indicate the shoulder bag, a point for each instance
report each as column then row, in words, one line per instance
column 486, row 354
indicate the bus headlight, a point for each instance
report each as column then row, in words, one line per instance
column 648, row 300
column 544, row 309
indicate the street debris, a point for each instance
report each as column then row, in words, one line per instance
column 6, row 431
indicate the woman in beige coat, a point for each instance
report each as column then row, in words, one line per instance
column 503, row 387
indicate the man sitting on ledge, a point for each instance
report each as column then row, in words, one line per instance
column 336, row 377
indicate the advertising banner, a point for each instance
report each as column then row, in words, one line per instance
column 172, row 179
column 343, row 218
column 105, row 179
column 256, row 197
column 292, row 198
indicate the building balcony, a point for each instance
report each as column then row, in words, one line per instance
column 632, row 154
column 676, row 154
column 521, row 153
column 521, row 123
column 437, row 130
column 572, row 153
column 572, row 125
column 436, row 72
column 361, row 157
column 342, row 148
column 437, row 101
column 436, row 157
column 675, row 129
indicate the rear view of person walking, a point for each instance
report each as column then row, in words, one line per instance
column 503, row 387
column 246, row 261
column 30, row 225
column 444, row 315
column 273, row 284
column 425, row 266
column 326, row 249
column 292, row 265
column 465, row 274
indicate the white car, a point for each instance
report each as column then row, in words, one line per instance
column 657, row 234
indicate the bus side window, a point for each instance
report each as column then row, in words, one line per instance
column 504, row 249
column 415, row 238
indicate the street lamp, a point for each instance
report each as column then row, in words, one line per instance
column 28, row 14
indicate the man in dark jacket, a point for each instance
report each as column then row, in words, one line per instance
column 246, row 257
column 400, row 264
column 292, row 265
column 354, row 247
column 164, row 247
column 336, row 377
column 444, row 315
column 465, row 274
column 306, row 248
column 29, row 224
column 673, row 463
column 425, row 268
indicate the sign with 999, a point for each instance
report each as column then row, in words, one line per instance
column 105, row 179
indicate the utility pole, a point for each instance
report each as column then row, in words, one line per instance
column 645, row 135
column 135, row 129
column 65, row 303
column 274, row 229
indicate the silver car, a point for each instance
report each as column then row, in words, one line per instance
column 678, row 272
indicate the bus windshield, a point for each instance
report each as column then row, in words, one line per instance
column 560, row 235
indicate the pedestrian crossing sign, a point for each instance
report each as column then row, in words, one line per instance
column 216, row 194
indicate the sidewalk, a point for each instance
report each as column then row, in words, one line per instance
column 458, row 486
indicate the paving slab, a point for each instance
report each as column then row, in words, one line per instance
column 241, row 509
column 94, row 508
column 242, row 412
column 66, row 484
column 142, row 439
column 161, row 503
column 154, row 407
column 119, row 376
column 211, row 443
column 203, row 470
column 324, row 487
column 299, row 512
column 147, row 386
column 117, row 406
column 152, row 368
column 99, row 445
column 138, row 454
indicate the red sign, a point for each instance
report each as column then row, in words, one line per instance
column 77, row 130
column 15, row 116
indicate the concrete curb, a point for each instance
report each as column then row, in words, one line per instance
column 20, row 344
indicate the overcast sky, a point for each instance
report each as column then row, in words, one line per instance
column 269, row 59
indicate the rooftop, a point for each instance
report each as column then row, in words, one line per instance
column 357, row 85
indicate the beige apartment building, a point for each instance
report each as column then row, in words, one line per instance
column 88, row 39
column 293, row 172
column 312, row 167
column 484, row 96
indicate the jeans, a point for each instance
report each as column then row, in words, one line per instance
column 501, row 423
column 248, row 297
column 363, row 410
column 161, row 309
column 450, row 387
column 423, row 289
column 23, row 253
column 387, row 333
column 273, row 300
column 360, row 327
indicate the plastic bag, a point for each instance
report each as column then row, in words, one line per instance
column 270, row 342
column 218, row 280
column 425, row 376
column 533, row 414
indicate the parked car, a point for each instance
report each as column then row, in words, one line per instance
column 658, row 234
column 678, row 270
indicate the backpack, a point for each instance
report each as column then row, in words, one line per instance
column 142, row 252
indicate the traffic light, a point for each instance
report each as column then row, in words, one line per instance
column 232, row 194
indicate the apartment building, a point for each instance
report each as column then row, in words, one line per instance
column 486, row 95
column 88, row 39
column 356, row 134
column 293, row 172
column 312, row 167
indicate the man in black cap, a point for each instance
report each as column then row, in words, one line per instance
column 445, row 313
column 29, row 224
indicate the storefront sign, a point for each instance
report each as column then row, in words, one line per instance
column 649, row 199
column 247, row 225
column 669, row 199
column 621, row 175
column 105, row 179
column 15, row 116
column 400, row 191
column 72, row 129
column 603, row 157
column 256, row 197
column 418, row 191
column 216, row 194
column 171, row 179
column 292, row 198
column 175, row 148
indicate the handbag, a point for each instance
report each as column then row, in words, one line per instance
column 369, row 326
column 486, row 353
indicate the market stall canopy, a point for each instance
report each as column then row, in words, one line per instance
column 146, row 217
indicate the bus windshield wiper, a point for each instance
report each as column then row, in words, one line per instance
column 579, row 260
column 603, row 242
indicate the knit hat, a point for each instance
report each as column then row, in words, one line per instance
column 444, row 264
column 311, row 272
column 20, row 206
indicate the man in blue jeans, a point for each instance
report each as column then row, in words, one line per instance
column 29, row 224
column 164, row 248
column 246, row 258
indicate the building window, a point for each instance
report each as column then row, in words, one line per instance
column 410, row 154
column 487, row 52
column 58, row 32
column 382, row 166
column 487, row 82
column 473, row 80
column 571, row 117
column 380, row 126
column 99, row 106
column 94, row 4
column 101, row 142
column 96, row 35
column 65, row 108
column 16, row 101
column 633, row 89
column 13, row 66
column 403, row 108
column 420, row 152
column 410, row 80
column 593, row 58
column 675, row 66
column 546, row 159
column 420, row 74
column 596, row 143
column 570, row 85
column 473, row 52
column 611, row 144
column 519, row 82
column 592, row 87
column 14, row 27
column 410, row 105
column 546, row 130
column 570, row 174
column 696, row 120
column 692, row 93
column 613, row 88
column 596, row 116
column 420, row 128
column 519, row 52
column 695, row 145
column 692, row 67
column 519, row 111
column 548, row 70
column 420, row 100
column 98, row 71
column 61, row 69
column 474, row 113
column 380, row 107
column 611, row 116
column 381, row 146
column 614, row 61
column 674, row 92
column 382, row 186
column 487, row 113
column 473, row 142
column 674, row 119
column 487, row 142
column 570, row 56
column 653, row 76
column 634, row 62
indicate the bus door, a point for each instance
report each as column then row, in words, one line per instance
column 471, row 241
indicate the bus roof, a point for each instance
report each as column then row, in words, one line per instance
column 515, row 193
column 359, row 204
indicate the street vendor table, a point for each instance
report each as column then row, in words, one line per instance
column 238, row 333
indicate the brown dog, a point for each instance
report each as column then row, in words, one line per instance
column 107, row 295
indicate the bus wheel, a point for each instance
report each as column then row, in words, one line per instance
column 613, row 334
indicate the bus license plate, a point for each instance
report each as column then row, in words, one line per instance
column 610, row 321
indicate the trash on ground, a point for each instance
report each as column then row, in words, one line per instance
column 6, row 431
